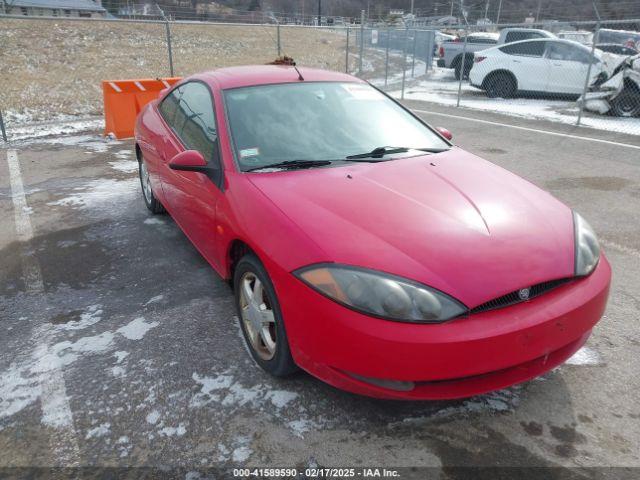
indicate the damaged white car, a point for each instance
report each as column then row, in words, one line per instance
column 619, row 95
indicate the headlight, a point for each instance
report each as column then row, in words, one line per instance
column 380, row 294
column 587, row 247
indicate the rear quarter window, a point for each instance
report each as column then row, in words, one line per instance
column 485, row 40
column 517, row 36
column 525, row 49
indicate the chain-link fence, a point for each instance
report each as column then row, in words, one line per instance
column 53, row 67
column 583, row 73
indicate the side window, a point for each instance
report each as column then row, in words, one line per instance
column 189, row 112
column 169, row 106
column 568, row 53
column 195, row 121
column 485, row 40
column 525, row 49
column 517, row 36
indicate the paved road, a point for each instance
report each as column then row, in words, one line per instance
column 119, row 345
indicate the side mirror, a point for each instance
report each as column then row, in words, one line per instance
column 445, row 133
column 189, row 161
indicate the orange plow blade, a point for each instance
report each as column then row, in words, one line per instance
column 123, row 100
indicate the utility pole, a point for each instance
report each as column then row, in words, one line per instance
column 538, row 12
column 319, row 12
column 486, row 11
column 411, row 7
column 498, row 15
column 451, row 14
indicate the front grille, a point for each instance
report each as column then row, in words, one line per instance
column 513, row 297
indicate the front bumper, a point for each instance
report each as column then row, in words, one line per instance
column 441, row 63
column 460, row 358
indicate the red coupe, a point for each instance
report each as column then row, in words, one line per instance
column 362, row 245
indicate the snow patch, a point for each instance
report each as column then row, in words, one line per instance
column 440, row 87
column 153, row 417
column 230, row 393
column 496, row 402
column 280, row 398
column 91, row 316
column 300, row 427
column 125, row 166
column 155, row 299
column 24, row 132
column 137, row 328
column 20, row 382
column 242, row 452
column 174, row 431
column 154, row 221
column 99, row 431
column 99, row 193
column 120, row 356
column 585, row 356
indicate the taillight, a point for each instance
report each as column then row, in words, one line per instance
column 441, row 51
column 478, row 59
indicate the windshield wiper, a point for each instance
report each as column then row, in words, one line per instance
column 293, row 164
column 380, row 152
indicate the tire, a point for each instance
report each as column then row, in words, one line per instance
column 258, row 309
column 627, row 103
column 150, row 200
column 500, row 85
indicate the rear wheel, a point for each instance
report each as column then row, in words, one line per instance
column 260, row 318
column 627, row 103
column 500, row 85
column 150, row 200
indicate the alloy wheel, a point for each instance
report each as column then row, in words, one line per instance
column 257, row 316
column 146, row 182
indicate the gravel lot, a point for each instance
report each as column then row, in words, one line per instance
column 119, row 345
column 54, row 68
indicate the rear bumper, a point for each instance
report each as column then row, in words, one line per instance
column 460, row 358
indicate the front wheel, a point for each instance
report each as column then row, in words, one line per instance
column 260, row 317
column 627, row 103
column 150, row 200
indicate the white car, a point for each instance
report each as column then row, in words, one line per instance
column 547, row 66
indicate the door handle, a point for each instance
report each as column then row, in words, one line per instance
column 517, row 61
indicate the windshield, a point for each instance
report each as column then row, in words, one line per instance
column 319, row 121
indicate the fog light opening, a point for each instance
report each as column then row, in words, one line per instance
column 396, row 385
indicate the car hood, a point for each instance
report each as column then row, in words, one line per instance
column 451, row 220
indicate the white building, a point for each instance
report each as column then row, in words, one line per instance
column 53, row 8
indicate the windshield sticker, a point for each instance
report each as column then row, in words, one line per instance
column 249, row 152
column 362, row 92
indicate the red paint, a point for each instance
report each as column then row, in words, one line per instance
column 445, row 133
column 452, row 221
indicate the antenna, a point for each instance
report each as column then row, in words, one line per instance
column 300, row 77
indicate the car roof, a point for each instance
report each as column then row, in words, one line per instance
column 252, row 75
column 530, row 40
column 556, row 40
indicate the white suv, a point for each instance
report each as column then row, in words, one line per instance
column 547, row 66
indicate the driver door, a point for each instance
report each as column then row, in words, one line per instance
column 192, row 197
